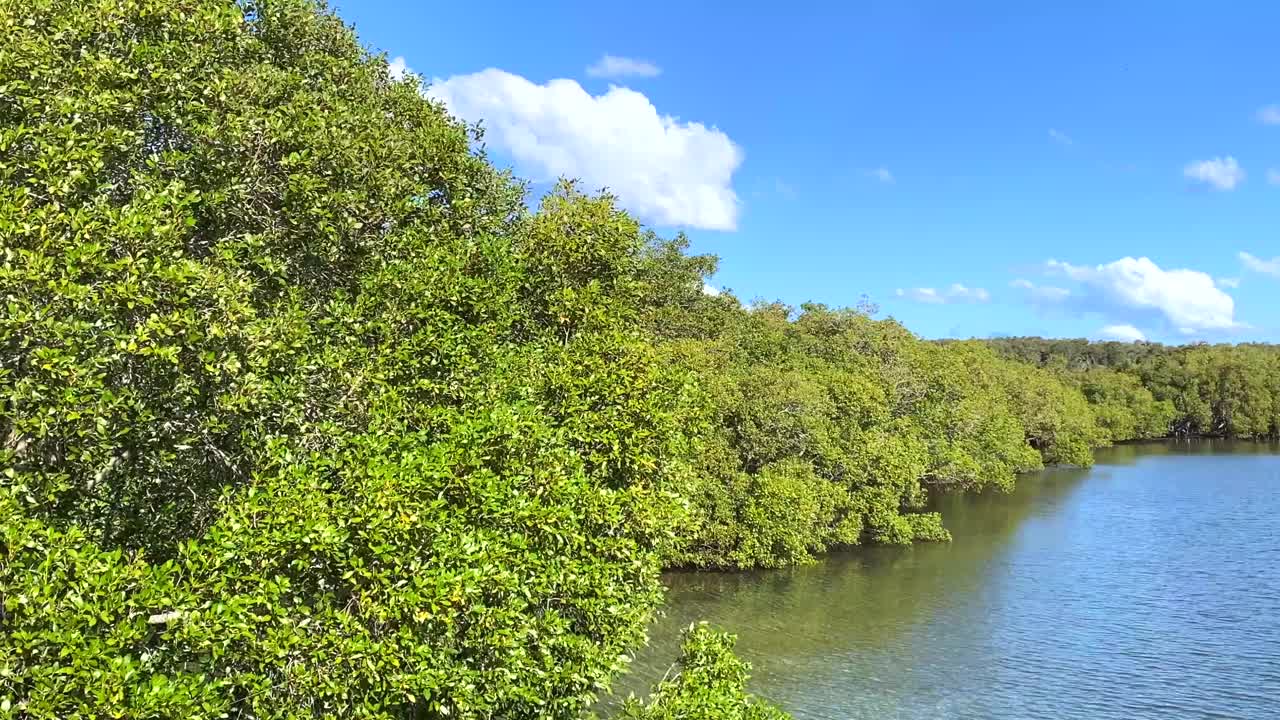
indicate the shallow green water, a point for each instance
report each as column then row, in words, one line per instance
column 1147, row 587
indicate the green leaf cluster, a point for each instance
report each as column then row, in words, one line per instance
column 303, row 413
column 706, row 683
column 830, row 428
column 1143, row 390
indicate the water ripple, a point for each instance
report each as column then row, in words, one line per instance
column 1143, row 589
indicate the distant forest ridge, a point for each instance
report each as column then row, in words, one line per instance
column 1217, row 389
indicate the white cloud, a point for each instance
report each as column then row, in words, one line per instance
column 957, row 293
column 1229, row 282
column 397, row 68
column 882, row 174
column 1259, row 265
column 1123, row 333
column 712, row 290
column 612, row 66
column 1221, row 173
column 1273, row 176
column 1059, row 137
column 1188, row 300
column 1269, row 115
column 666, row 171
column 1041, row 293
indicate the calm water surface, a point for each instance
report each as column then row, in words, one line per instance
column 1147, row 587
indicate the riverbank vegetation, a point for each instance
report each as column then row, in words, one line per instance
column 1208, row 390
column 829, row 427
column 306, row 412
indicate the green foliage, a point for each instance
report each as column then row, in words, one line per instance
column 303, row 413
column 709, row 684
column 1056, row 418
column 927, row 527
column 829, row 428
column 1197, row 390
column 1124, row 408
column 786, row 513
column 177, row 210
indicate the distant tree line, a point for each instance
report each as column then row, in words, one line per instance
column 1214, row 390
column 304, row 412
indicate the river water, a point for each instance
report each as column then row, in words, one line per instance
column 1146, row 587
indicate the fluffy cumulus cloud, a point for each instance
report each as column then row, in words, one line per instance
column 710, row 290
column 1219, row 173
column 612, row 66
column 1188, row 301
column 1269, row 115
column 1123, row 333
column 956, row 293
column 1259, row 265
column 668, row 172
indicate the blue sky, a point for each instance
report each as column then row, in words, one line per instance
column 1081, row 169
